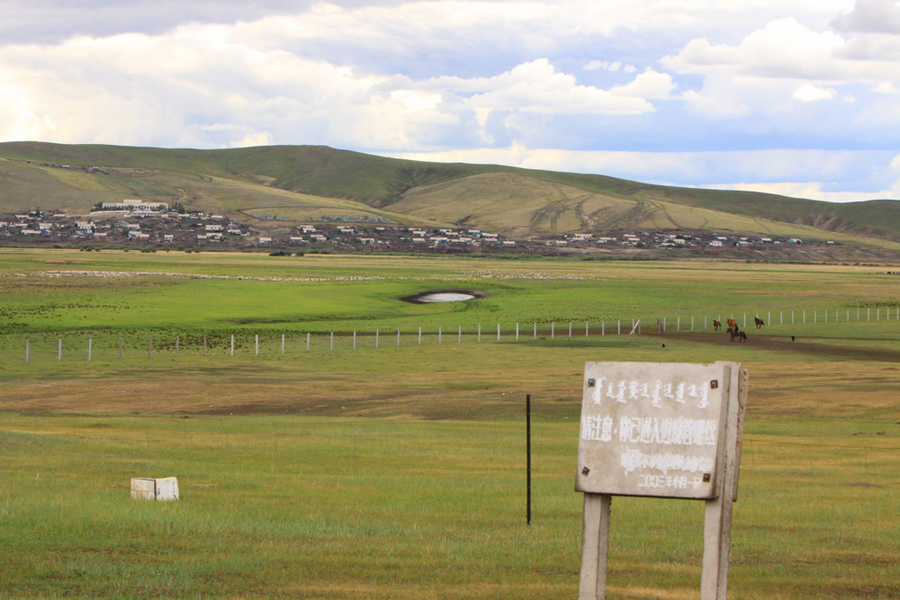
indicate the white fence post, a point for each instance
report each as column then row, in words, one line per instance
column 498, row 332
column 354, row 340
column 27, row 351
column 439, row 334
column 282, row 343
column 256, row 344
column 332, row 341
column 232, row 344
column 398, row 336
column 552, row 329
column 377, row 332
column 59, row 351
column 308, row 334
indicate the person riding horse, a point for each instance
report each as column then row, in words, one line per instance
column 737, row 333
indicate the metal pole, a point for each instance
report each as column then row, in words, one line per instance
column 528, row 457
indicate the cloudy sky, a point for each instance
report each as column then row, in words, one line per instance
column 800, row 97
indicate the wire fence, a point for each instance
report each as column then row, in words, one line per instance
column 107, row 345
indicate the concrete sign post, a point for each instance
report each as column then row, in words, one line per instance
column 660, row 430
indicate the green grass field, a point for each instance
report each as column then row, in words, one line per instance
column 399, row 471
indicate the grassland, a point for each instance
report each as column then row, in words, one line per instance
column 398, row 471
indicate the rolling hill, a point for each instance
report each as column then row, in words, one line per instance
column 285, row 184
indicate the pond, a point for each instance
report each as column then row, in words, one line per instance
column 443, row 296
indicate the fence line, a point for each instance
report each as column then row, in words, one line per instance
column 662, row 324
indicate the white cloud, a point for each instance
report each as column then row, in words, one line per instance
column 537, row 87
column 878, row 16
column 812, row 93
column 783, row 48
column 650, row 85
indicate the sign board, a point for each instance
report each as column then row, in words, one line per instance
column 663, row 430
column 652, row 429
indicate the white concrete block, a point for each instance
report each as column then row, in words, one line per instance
column 148, row 488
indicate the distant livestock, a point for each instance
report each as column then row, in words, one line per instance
column 717, row 325
column 759, row 322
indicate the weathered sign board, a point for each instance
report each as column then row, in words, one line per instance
column 664, row 430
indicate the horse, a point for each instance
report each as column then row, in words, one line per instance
column 737, row 333
column 759, row 322
column 717, row 325
column 732, row 324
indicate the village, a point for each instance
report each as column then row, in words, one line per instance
column 150, row 226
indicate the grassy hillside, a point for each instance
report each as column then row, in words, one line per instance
column 300, row 183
